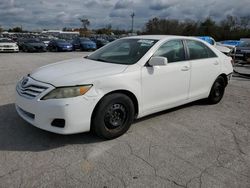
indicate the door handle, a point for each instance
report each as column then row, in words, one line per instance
column 216, row 63
column 185, row 68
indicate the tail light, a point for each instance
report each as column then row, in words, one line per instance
column 232, row 61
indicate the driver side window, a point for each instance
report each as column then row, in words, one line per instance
column 172, row 50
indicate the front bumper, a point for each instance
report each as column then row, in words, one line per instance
column 242, row 56
column 88, row 47
column 65, row 48
column 36, row 49
column 75, row 111
column 9, row 49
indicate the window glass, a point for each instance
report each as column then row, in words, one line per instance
column 198, row 50
column 245, row 44
column 172, row 50
column 123, row 51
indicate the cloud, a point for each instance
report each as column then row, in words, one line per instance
column 161, row 4
column 123, row 4
column 120, row 13
column 63, row 13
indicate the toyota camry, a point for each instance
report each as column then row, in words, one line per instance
column 127, row 79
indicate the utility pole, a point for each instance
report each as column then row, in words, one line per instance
column 132, row 16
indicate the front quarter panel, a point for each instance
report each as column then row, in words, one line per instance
column 129, row 80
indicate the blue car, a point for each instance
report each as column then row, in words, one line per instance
column 208, row 39
column 231, row 42
column 59, row 45
column 84, row 44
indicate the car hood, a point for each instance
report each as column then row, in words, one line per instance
column 7, row 43
column 36, row 44
column 64, row 44
column 88, row 42
column 75, row 72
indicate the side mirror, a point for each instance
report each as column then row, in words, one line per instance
column 158, row 61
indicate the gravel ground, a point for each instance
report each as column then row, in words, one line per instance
column 195, row 145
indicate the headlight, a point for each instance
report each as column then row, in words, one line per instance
column 67, row 92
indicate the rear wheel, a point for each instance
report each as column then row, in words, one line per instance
column 113, row 116
column 217, row 91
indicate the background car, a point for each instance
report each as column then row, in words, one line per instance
column 100, row 42
column 222, row 48
column 83, row 44
column 8, row 45
column 59, row 45
column 31, row 45
column 233, row 43
column 45, row 40
column 243, row 50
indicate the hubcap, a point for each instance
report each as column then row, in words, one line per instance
column 218, row 90
column 115, row 116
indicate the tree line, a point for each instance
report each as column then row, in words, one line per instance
column 229, row 28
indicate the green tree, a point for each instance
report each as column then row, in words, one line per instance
column 16, row 30
column 85, row 23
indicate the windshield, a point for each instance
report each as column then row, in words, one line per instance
column 124, row 51
column 85, row 40
column 245, row 44
column 5, row 40
column 61, row 41
column 32, row 41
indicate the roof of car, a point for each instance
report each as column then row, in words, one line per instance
column 160, row 37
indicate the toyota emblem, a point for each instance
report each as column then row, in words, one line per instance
column 25, row 81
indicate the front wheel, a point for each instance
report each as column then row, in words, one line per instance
column 113, row 116
column 217, row 91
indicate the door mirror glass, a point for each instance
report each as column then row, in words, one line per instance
column 158, row 61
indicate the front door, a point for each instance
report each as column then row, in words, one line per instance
column 166, row 86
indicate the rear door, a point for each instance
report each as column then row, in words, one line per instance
column 205, row 67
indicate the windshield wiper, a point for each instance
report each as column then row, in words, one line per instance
column 103, row 60
column 99, row 59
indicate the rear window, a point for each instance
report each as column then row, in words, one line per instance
column 5, row 40
column 198, row 50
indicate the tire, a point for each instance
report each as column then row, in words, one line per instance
column 24, row 49
column 217, row 91
column 113, row 116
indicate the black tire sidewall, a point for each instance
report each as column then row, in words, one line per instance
column 216, row 99
column 98, row 125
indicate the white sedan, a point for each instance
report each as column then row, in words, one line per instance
column 127, row 79
column 7, row 45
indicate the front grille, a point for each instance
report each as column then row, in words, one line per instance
column 30, row 91
column 8, row 49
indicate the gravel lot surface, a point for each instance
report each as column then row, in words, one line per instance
column 196, row 145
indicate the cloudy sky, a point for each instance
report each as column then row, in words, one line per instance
column 55, row 14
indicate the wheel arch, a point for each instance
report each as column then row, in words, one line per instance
column 121, row 91
column 224, row 76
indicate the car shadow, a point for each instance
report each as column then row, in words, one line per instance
column 201, row 102
column 18, row 135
